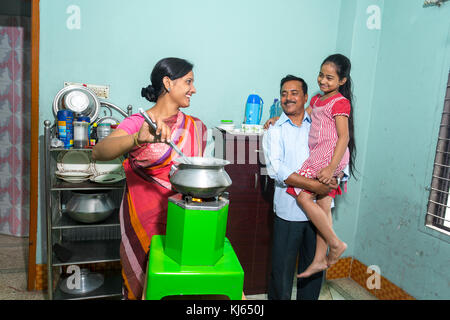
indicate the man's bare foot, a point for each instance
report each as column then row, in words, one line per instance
column 335, row 252
column 314, row 267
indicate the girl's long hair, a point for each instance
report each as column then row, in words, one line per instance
column 343, row 68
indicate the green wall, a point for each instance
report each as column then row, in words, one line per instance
column 411, row 61
column 240, row 47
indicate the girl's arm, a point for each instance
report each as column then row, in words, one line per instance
column 270, row 122
column 309, row 110
column 327, row 173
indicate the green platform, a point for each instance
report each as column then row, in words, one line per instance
column 166, row 277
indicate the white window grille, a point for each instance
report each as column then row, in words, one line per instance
column 438, row 212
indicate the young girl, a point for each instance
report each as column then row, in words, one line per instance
column 332, row 147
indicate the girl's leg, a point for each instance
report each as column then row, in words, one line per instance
column 322, row 220
column 319, row 262
column 335, row 253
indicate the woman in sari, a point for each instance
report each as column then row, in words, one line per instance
column 143, row 211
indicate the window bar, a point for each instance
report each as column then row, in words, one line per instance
column 439, row 190
column 439, row 204
column 442, row 178
column 441, row 165
column 435, row 216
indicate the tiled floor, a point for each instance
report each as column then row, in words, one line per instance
column 13, row 277
column 337, row 289
column 13, row 270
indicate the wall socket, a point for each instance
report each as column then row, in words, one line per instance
column 99, row 90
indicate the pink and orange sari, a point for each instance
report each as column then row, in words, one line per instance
column 143, row 212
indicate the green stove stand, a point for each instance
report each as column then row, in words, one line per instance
column 165, row 277
column 195, row 232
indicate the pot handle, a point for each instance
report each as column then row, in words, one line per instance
column 172, row 170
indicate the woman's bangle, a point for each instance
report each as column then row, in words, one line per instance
column 136, row 143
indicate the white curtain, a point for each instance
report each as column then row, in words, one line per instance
column 15, row 111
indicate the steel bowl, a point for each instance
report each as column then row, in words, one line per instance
column 200, row 177
column 77, row 98
column 88, row 207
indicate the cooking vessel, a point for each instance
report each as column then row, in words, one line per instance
column 200, row 177
column 88, row 207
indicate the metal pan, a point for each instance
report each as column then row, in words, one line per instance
column 200, row 177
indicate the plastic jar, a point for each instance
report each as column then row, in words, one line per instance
column 80, row 134
column 103, row 130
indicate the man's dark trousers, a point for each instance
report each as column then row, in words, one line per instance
column 292, row 239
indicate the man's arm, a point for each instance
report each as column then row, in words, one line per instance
column 312, row 185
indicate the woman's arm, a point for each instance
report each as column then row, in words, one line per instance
column 120, row 142
column 327, row 173
column 114, row 145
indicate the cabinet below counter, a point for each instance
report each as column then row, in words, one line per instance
column 250, row 213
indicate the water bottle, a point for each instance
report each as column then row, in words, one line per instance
column 279, row 109
column 253, row 109
column 273, row 109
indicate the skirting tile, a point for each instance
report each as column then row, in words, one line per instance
column 341, row 269
column 385, row 290
column 354, row 269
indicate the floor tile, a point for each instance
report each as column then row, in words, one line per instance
column 13, row 257
column 13, row 287
column 350, row 289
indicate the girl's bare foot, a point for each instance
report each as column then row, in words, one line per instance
column 314, row 267
column 335, row 252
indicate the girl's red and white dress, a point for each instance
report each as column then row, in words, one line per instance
column 323, row 138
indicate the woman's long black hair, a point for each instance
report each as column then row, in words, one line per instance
column 173, row 68
column 343, row 68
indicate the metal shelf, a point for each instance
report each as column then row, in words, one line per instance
column 65, row 222
column 112, row 287
column 64, row 231
column 89, row 251
column 52, row 149
column 59, row 185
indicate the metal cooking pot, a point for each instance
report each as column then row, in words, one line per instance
column 200, row 177
column 89, row 281
column 88, row 207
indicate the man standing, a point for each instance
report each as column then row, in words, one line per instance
column 285, row 147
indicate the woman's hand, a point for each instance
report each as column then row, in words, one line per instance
column 147, row 135
column 325, row 175
column 270, row 122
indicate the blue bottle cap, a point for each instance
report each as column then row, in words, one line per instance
column 65, row 112
column 84, row 118
column 254, row 98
